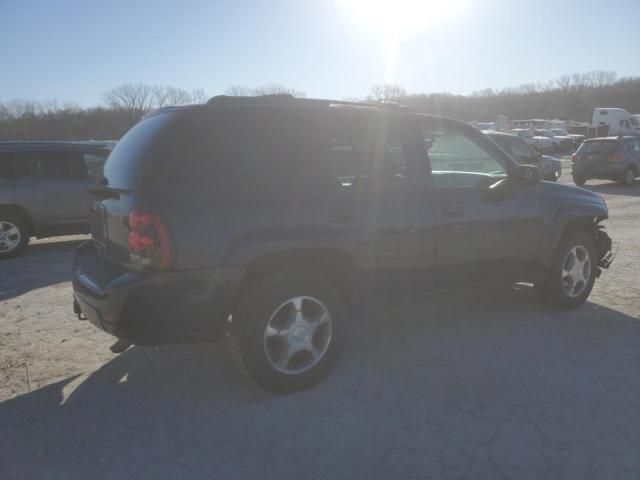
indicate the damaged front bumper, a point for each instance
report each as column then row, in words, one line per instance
column 604, row 245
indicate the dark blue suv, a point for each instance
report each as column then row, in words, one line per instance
column 263, row 219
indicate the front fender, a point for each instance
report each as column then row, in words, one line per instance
column 564, row 207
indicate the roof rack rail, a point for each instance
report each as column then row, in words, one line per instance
column 286, row 98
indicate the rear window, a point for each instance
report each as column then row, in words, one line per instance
column 600, row 146
column 132, row 157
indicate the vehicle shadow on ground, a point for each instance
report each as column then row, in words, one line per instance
column 40, row 265
column 615, row 189
column 481, row 386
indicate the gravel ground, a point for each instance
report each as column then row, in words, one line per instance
column 479, row 385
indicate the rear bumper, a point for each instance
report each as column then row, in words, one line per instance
column 158, row 308
column 608, row 171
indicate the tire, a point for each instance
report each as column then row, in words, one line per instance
column 628, row 177
column 555, row 288
column 262, row 331
column 579, row 181
column 14, row 235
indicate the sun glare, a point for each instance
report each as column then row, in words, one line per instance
column 402, row 17
column 393, row 22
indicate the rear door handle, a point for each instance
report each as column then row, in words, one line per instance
column 453, row 212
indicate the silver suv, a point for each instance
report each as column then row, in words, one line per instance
column 43, row 190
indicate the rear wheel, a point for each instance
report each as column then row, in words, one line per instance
column 287, row 331
column 572, row 274
column 579, row 181
column 628, row 177
column 14, row 235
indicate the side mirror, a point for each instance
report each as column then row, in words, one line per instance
column 527, row 175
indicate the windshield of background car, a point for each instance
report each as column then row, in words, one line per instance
column 451, row 151
column 599, row 146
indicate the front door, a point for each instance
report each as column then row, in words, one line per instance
column 479, row 237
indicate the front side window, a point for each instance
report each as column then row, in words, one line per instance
column 457, row 161
column 521, row 151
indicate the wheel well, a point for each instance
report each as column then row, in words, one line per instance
column 334, row 265
column 585, row 224
column 18, row 210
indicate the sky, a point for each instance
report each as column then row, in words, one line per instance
column 74, row 50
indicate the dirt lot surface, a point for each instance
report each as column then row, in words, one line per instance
column 478, row 385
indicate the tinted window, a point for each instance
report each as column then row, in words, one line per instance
column 457, row 161
column 598, row 146
column 26, row 164
column 249, row 154
column 135, row 152
column 55, row 165
column 349, row 148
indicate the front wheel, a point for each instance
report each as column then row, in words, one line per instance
column 579, row 181
column 628, row 177
column 287, row 331
column 572, row 274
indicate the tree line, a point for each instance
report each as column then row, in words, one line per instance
column 567, row 97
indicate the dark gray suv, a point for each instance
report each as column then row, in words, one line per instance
column 266, row 218
column 43, row 190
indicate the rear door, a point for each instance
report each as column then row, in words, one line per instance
column 401, row 223
column 52, row 187
column 66, row 181
column 6, row 179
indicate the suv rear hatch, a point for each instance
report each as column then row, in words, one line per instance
column 594, row 153
column 130, row 175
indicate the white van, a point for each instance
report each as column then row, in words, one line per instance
column 619, row 121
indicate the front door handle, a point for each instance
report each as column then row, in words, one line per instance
column 453, row 212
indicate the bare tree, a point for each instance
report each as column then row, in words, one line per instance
column 269, row 89
column 134, row 99
column 386, row 92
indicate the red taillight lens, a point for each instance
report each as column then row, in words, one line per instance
column 150, row 245
column 575, row 158
column 612, row 157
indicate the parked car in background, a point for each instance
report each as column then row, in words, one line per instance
column 540, row 143
column 577, row 138
column 550, row 168
column 43, row 190
column 263, row 219
column 562, row 143
column 609, row 158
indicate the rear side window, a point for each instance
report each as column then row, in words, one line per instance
column 253, row 153
column 348, row 147
column 53, row 165
column 599, row 146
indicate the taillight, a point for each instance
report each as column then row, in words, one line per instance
column 150, row 245
column 575, row 158
column 614, row 157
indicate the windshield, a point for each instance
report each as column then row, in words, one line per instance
column 599, row 146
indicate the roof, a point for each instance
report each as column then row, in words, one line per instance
column 493, row 133
column 610, row 139
column 56, row 146
column 290, row 100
